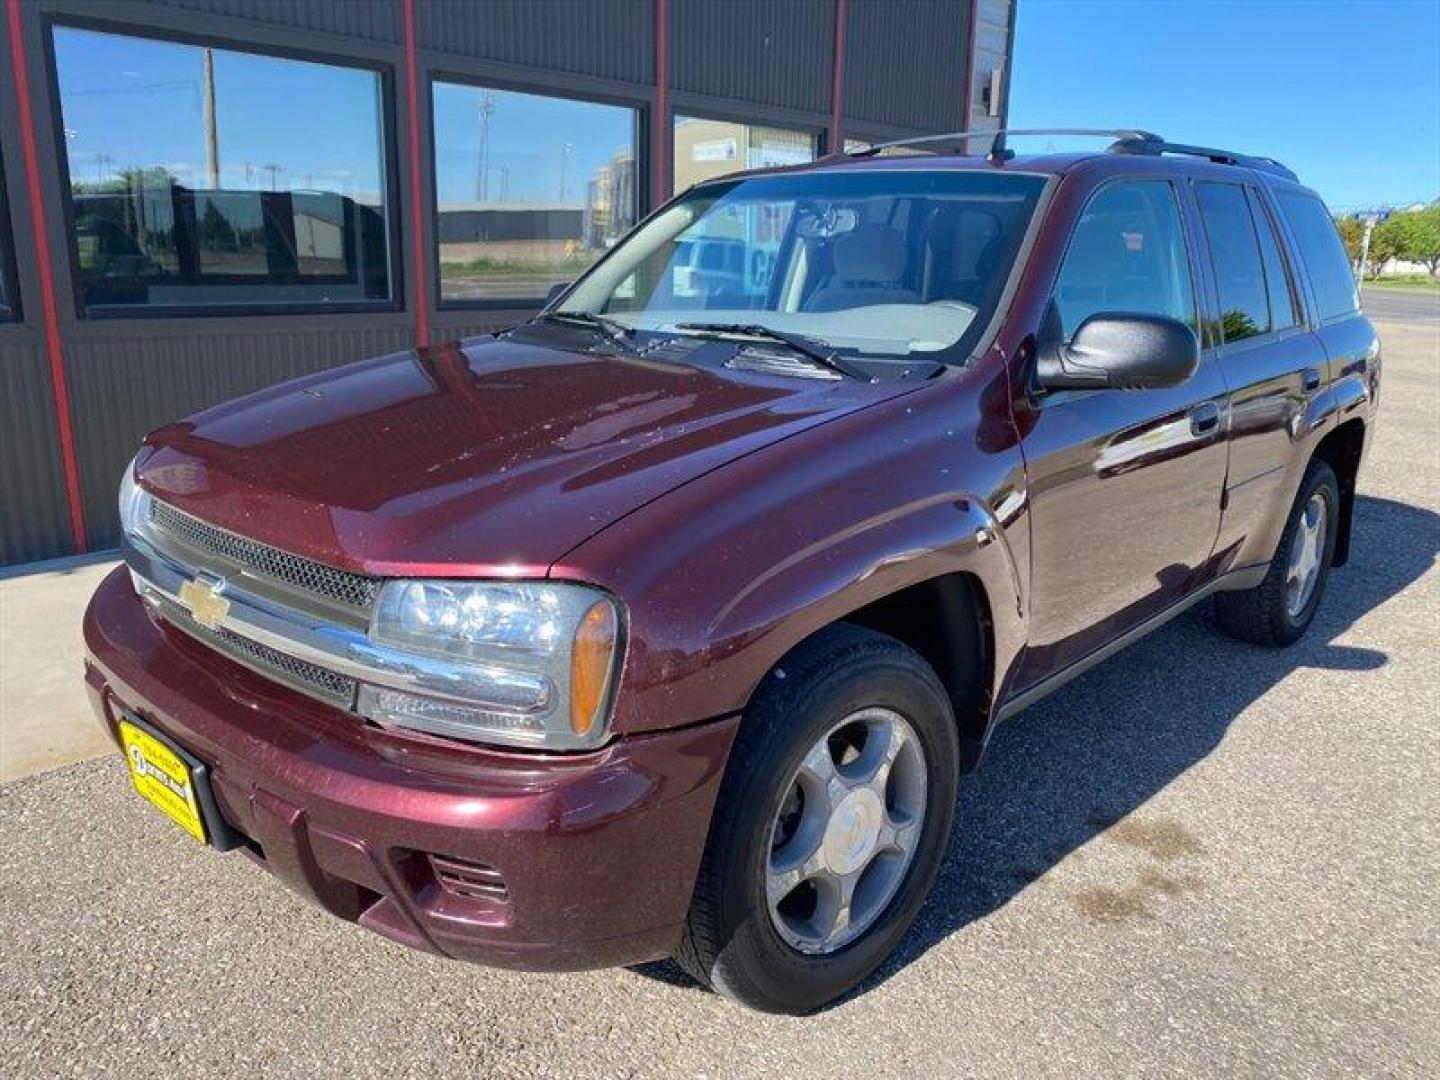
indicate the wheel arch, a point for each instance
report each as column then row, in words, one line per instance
column 948, row 621
column 1342, row 450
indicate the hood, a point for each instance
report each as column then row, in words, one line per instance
column 492, row 456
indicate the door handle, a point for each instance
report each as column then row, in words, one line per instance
column 1310, row 379
column 1204, row 418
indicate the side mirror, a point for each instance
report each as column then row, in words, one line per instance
column 1114, row 351
column 554, row 292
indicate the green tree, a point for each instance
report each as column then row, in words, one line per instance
column 1419, row 236
column 1386, row 243
column 1352, row 232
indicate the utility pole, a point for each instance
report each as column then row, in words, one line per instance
column 1371, row 219
column 212, row 136
column 1365, row 245
column 565, row 150
column 272, row 170
column 487, row 110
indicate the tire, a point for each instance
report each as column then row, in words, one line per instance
column 1265, row 615
column 732, row 942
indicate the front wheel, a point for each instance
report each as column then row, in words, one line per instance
column 830, row 827
column 1279, row 610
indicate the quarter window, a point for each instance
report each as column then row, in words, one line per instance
column 1127, row 255
column 530, row 190
column 1239, row 269
column 206, row 177
column 1324, row 255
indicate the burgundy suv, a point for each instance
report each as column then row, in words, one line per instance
column 667, row 622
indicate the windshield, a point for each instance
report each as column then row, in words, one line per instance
column 886, row 265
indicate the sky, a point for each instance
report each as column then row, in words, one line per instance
column 132, row 102
column 1345, row 92
column 541, row 149
column 137, row 103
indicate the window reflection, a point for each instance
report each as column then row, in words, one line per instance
column 211, row 177
column 705, row 149
column 1239, row 269
column 531, row 190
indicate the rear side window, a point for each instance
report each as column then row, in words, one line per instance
column 1239, row 270
column 1277, row 284
column 1324, row 254
column 1127, row 255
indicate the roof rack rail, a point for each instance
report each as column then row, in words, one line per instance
column 999, row 152
column 1156, row 145
column 1127, row 141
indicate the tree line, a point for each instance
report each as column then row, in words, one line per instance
column 1409, row 235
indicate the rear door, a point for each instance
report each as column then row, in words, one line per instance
column 1275, row 367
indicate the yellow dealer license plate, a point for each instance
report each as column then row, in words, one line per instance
column 164, row 777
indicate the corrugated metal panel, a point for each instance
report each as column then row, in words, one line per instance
column 477, row 324
column 123, row 387
column 34, row 521
column 369, row 20
column 755, row 50
column 613, row 40
column 905, row 63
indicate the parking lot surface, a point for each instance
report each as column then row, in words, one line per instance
column 1403, row 305
column 1202, row 857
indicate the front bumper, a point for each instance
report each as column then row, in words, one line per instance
column 586, row 860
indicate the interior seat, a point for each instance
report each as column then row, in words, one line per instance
column 869, row 265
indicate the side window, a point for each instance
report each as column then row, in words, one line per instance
column 1127, row 255
column 1324, row 254
column 1277, row 283
column 1239, row 270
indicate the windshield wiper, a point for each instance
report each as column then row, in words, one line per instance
column 613, row 329
column 810, row 348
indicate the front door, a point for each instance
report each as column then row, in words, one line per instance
column 1125, row 485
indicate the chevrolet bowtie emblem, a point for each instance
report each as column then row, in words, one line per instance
column 202, row 597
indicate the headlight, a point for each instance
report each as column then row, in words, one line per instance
column 134, row 501
column 534, row 661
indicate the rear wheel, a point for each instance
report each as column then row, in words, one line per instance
column 1280, row 609
column 830, row 827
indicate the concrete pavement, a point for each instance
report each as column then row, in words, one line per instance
column 45, row 718
column 1201, row 858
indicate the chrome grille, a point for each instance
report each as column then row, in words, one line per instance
column 303, row 675
column 339, row 586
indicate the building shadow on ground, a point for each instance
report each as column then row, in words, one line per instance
column 1087, row 757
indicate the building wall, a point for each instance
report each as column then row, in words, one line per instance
column 904, row 69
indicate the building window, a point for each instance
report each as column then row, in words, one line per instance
column 705, row 149
column 210, row 178
column 530, row 190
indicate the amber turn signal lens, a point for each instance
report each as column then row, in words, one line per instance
column 591, row 662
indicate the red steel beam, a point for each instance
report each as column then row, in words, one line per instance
column 59, row 385
column 419, row 271
column 660, row 120
column 837, row 80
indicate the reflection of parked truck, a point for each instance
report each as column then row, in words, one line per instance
column 155, row 243
column 662, row 625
